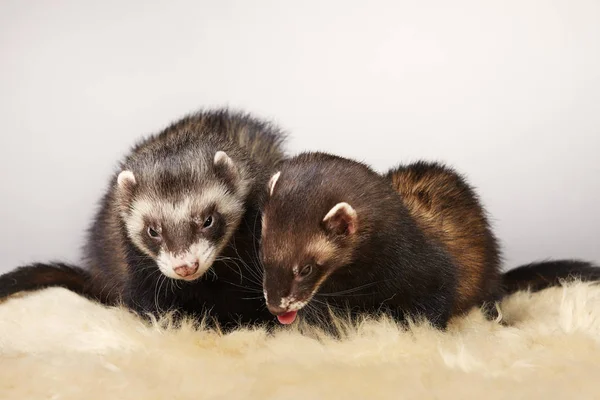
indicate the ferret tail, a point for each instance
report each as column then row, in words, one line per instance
column 543, row 274
column 43, row 275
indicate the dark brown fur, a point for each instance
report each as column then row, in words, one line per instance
column 48, row 275
column 425, row 250
column 543, row 274
column 448, row 210
column 388, row 264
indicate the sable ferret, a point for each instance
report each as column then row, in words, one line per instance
column 413, row 243
column 176, row 228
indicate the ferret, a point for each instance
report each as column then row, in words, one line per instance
column 177, row 228
column 337, row 235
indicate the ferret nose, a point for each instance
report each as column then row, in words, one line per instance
column 187, row 269
column 276, row 310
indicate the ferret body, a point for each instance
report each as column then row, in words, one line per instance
column 176, row 228
column 447, row 209
column 412, row 243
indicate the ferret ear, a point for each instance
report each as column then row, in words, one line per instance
column 273, row 182
column 225, row 167
column 126, row 180
column 341, row 220
column 126, row 184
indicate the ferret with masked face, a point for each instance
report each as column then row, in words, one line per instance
column 176, row 228
column 412, row 243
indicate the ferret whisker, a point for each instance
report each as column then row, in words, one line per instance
column 213, row 274
column 162, row 280
column 349, row 294
column 172, row 285
column 226, row 261
column 351, row 290
column 151, row 275
column 155, row 294
column 252, row 298
column 325, row 303
column 167, row 283
column 244, row 288
column 258, row 268
column 246, row 266
column 256, row 240
column 113, row 286
column 252, row 278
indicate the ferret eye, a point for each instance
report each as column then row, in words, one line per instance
column 304, row 272
column 152, row 233
column 208, row 222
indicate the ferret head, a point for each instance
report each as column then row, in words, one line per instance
column 308, row 231
column 181, row 215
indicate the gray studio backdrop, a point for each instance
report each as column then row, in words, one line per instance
column 508, row 92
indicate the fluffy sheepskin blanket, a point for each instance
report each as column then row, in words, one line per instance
column 57, row 345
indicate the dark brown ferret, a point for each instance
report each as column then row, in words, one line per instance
column 336, row 234
column 411, row 243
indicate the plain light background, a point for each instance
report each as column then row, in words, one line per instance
column 506, row 91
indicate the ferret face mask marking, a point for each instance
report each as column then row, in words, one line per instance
column 182, row 233
column 299, row 253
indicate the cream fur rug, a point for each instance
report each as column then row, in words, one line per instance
column 57, row 345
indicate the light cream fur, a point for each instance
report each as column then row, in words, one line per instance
column 125, row 177
column 221, row 158
column 273, row 182
column 57, row 345
column 202, row 252
column 346, row 210
column 183, row 212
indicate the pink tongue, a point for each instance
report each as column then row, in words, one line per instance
column 287, row 318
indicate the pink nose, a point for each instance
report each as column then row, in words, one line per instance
column 186, row 270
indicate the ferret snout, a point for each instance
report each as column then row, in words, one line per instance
column 277, row 287
column 276, row 309
column 187, row 269
column 285, row 305
column 187, row 265
column 275, row 303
